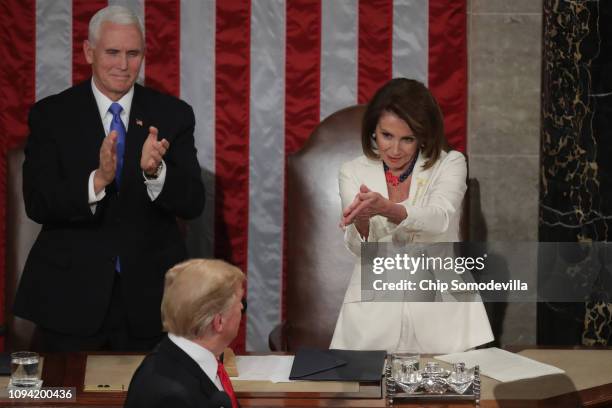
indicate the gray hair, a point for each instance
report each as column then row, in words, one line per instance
column 112, row 14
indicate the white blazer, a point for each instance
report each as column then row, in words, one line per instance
column 434, row 209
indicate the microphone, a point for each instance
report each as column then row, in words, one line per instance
column 220, row 400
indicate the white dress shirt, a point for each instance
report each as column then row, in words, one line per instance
column 203, row 357
column 154, row 186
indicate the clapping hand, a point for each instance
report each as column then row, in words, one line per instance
column 366, row 204
column 153, row 151
column 105, row 174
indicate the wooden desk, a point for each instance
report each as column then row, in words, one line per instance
column 68, row 370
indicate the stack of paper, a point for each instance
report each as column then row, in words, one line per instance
column 264, row 368
column 502, row 365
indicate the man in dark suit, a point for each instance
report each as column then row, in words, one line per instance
column 201, row 311
column 109, row 167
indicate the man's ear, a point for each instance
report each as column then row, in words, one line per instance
column 88, row 51
column 217, row 323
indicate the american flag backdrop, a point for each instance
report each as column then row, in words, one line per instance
column 260, row 75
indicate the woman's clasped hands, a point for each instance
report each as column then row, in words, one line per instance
column 366, row 204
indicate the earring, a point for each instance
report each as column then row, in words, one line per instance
column 373, row 135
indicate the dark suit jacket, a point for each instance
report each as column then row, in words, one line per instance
column 168, row 377
column 67, row 280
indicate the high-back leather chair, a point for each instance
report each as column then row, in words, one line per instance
column 319, row 265
column 21, row 233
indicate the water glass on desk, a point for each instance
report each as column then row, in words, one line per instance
column 25, row 370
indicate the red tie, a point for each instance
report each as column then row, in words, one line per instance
column 227, row 384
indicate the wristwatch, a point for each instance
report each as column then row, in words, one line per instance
column 158, row 171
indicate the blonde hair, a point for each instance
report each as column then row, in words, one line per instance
column 196, row 291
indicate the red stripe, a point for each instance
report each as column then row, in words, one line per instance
column 375, row 53
column 17, row 94
column 302, row 89
column 82, row 12
column 162, row 25
column 302, row 71
column 232, row 93
column 448, row 66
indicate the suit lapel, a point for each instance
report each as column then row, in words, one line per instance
column 139, row 122
column 421, row 179
column 86, row 131
column 89, row 115
column 136, row 135
column 374, row 178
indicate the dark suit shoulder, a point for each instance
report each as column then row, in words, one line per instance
column 66, row 100
column 157, row 383
column 169, row 375
column 160, row 100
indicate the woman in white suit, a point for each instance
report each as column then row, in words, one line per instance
column 406, row 188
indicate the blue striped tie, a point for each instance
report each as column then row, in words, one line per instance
column 117, row 125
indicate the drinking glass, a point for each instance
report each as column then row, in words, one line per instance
column 25, row 370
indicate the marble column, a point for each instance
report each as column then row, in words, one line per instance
column 576, row 154
column 505, row 40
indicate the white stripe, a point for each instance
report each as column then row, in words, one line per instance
column 266, row 168
column 53, row 47
column 197, row 65
column 138, row 7
column 338, row 55
column 410, row 39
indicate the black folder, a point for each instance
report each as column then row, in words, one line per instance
column 338, row 365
